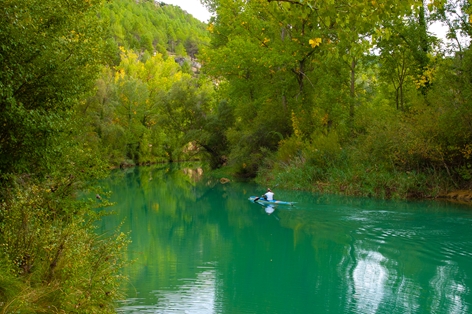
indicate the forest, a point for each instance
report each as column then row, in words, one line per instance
column 348, row 97
column 357, row 99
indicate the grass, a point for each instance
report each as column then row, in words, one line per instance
column 370, row 181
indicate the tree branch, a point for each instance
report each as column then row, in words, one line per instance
column 289, row 1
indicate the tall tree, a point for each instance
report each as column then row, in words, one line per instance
column 50, row 256
column 50, row 55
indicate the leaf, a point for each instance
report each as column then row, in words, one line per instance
column 314, row 42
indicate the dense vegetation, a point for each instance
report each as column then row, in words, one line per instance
column 152, row 27
column 355, row 98
column 347, row 97
column 342, row 96
column 151, row 105
column 51, row 259
column 78, row 84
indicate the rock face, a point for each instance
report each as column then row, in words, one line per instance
column 193, row 64
column 463, row 196
column 180, row 60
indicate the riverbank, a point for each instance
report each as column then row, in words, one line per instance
column 380, row 186
column 460, row 196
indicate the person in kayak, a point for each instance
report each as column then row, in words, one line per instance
column 268, row 196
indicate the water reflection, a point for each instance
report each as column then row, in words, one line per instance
column 447, row 293
column 191, row 296
column 404, row 296
column 369, row 278
column 269, row 209
column 201, row 247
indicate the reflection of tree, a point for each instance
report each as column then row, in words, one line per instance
column 448, row 292
column 313, row 225
column 166, row 221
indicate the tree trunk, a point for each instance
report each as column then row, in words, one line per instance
column 352, row 89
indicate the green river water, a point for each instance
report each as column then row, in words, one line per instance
column 201, row 247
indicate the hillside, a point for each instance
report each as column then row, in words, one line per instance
column 149, row 27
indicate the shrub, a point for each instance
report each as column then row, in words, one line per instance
column 51, row 258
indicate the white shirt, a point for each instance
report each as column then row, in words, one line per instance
column 270, row 196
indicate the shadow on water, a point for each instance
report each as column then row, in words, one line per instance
column 201, row 246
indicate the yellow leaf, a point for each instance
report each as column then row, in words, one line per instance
column 314, row 42
column 211, row 28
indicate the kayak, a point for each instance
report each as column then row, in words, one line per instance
column 263, row 201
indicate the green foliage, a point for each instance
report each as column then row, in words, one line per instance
column 50, row 54
column 147, row 26
column 289, row 149
column 52, row 257
column 153, row 110
column 304, row 70
column 300, row 82
column 344, row 173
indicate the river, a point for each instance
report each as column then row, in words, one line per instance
column 199, row 246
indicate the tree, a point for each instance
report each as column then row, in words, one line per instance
column 51, row 259
column 397, row 62
column 455, row 14
column 191, row 118
column 151, row 26
column 50, row 55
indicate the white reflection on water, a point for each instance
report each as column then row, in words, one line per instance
column 369, row 278
column 377, row 288
column 447, row 292
column 405, row 298
column 193, row 296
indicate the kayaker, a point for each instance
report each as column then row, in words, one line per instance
column 269, row 195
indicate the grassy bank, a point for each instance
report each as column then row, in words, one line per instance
column 343, row 173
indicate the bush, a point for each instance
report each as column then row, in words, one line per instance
column 51, row 258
